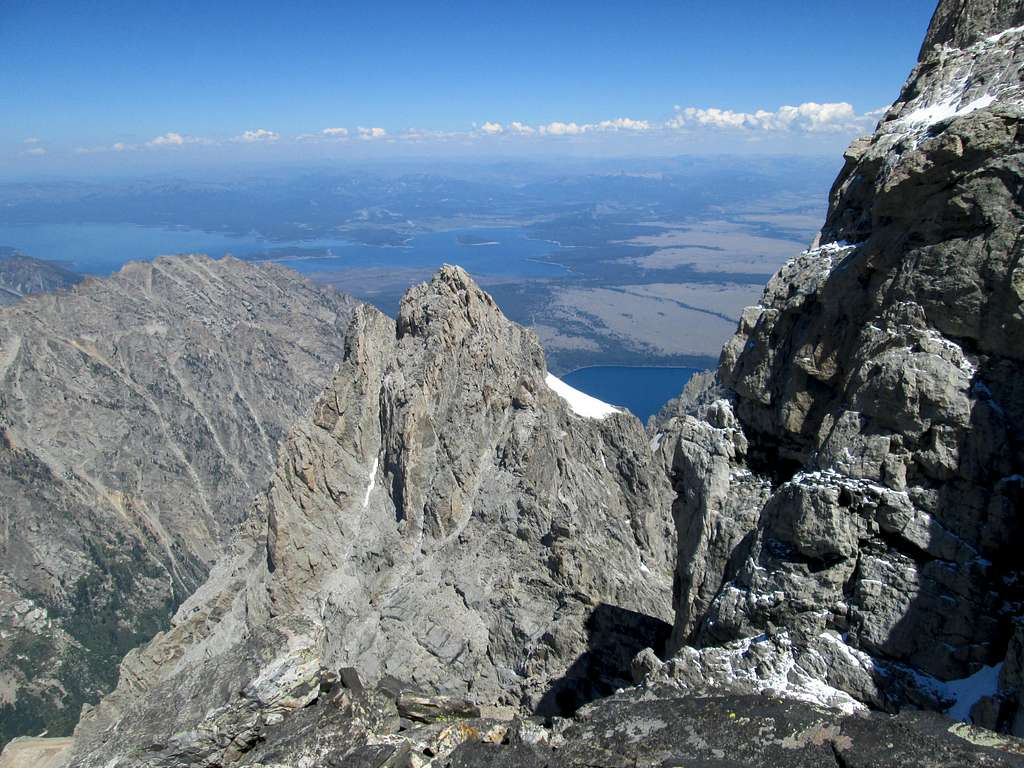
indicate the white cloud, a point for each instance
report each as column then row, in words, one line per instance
column 621, row 124
column 810, row 117
column 172, row 139
column 35, row 151
column 561, row 129
column 32, row 140
column 259, row 135
column 168, row 140
column 807, row 118
column 423, row 134
column 118, row 147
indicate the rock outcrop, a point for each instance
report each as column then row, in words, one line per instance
column 448, row 516
column 139, row 416
column 857, row 482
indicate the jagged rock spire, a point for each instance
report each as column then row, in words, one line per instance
column 442, row 517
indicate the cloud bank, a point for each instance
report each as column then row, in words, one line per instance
column 683, row 124
column 809, row 117
column 259, row 135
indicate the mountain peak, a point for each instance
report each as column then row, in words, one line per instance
column 442, row 518
column 961, row 23
column 450, row 304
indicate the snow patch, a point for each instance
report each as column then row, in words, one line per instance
column 579, row 403
column 370, row 483
column 1000, row 35
column 779, row 673
column 830, row 249
column 853, row 655
column 946, row 109
column 656, row 441
column 965, row 692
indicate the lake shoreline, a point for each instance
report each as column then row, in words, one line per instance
column 642, row 390
column 638, row 365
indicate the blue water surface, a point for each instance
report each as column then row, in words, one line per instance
column 100, row 249
column 641, row 389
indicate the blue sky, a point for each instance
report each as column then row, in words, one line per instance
column 164, row 82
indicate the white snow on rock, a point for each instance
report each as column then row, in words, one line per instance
column 1005, row 33
column 965, row 692
column 945, row 110
column 760, row 665
column 580, row 403
column 370, row 482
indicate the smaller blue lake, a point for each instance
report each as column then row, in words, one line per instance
column 641, row 389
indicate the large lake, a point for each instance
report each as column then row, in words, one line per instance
column 100, row 249
column 641, row 389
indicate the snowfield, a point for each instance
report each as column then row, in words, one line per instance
column 580, row 403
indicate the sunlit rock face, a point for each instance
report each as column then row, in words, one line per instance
column 139, row 415
column 443, row 517
column 857, row 481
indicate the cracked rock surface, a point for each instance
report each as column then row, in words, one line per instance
column 443, row 518
column 856, row 479
column 139, row 415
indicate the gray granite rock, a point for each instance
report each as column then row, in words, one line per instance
column 858, row 486
column 443, row 517
column 139, row 415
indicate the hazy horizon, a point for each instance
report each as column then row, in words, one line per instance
column 152, row 88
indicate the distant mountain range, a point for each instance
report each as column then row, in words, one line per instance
column 21, row 275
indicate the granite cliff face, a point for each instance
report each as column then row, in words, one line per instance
column 443, row 518
column 139, row 415
column 851, row 497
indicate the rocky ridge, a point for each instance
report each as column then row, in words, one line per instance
column 139, row 415
column 852, row 491
column 443, row 518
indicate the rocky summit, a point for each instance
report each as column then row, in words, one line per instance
column 139, row 415
column 810, row 559
column 449, row 519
